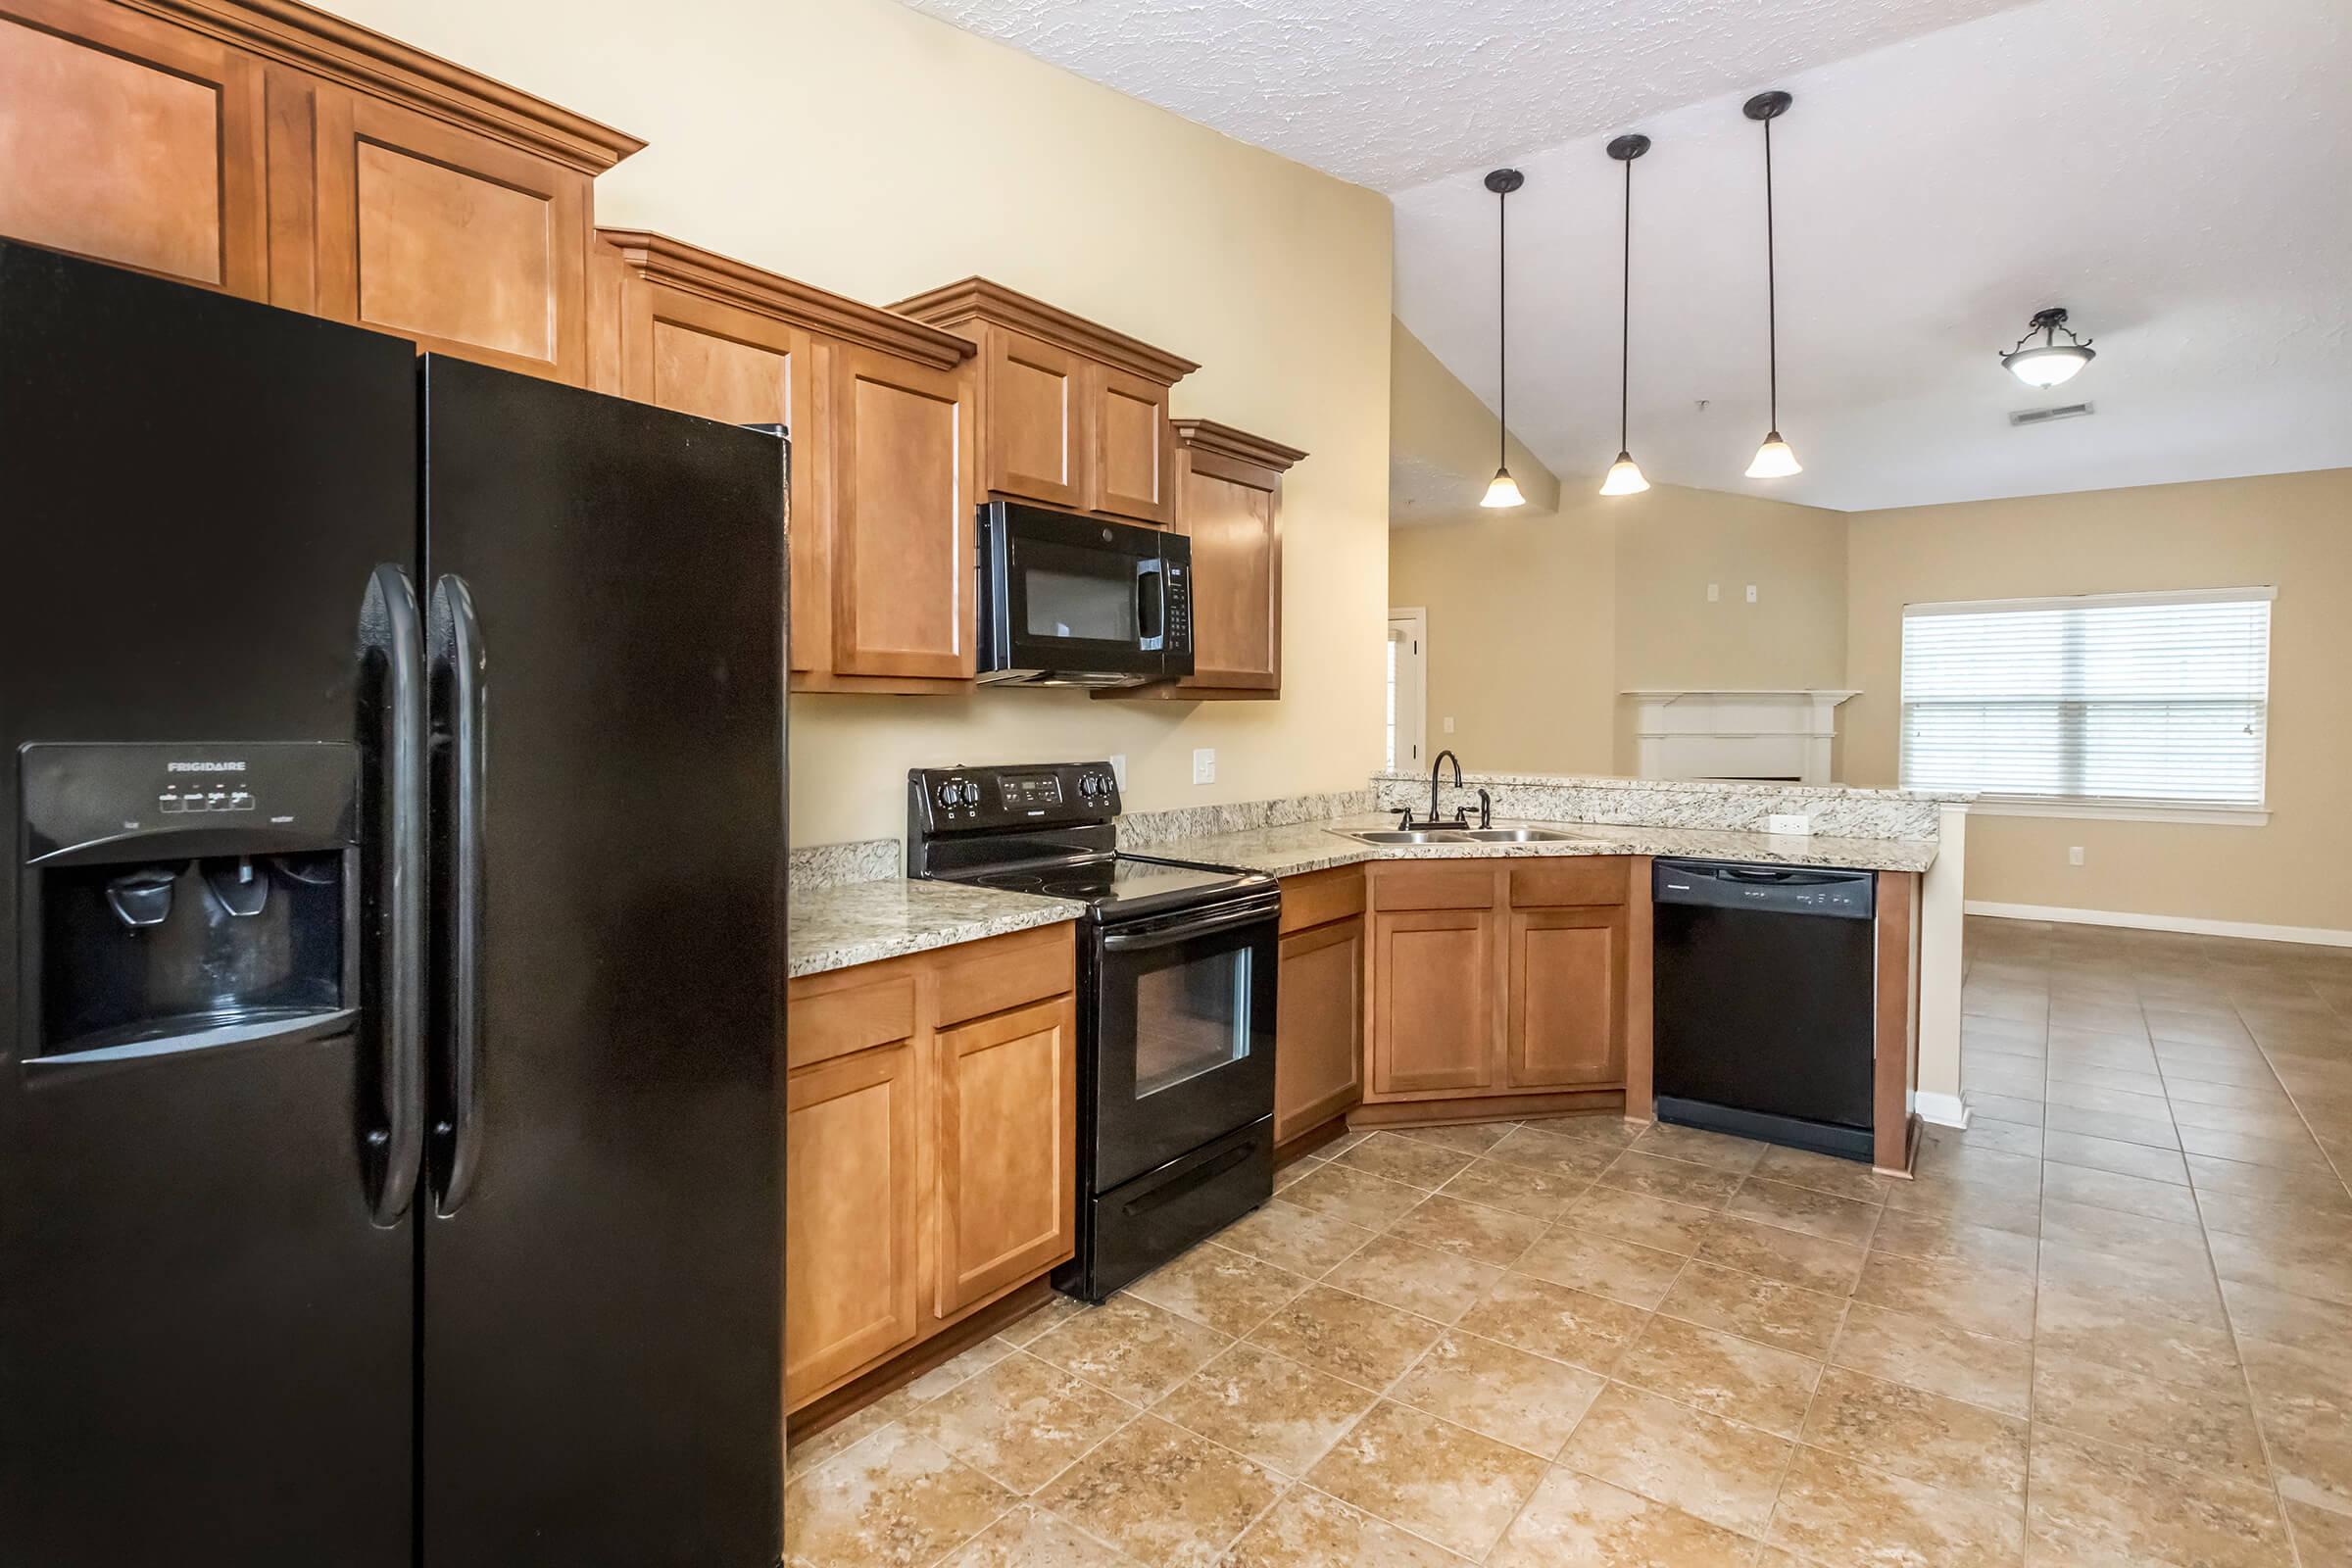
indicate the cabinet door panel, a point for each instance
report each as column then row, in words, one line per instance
column 469, row 246
column 1320, row 1036
column 902, row 561
column 852, row 1190
column 1131, row 446
column 1237, row 585
column 1037, row 420
column 1434, row 1003
column 1566, row 998
column 1007, row 1134
column 130, row 140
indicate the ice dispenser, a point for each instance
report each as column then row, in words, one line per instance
column 178, row 898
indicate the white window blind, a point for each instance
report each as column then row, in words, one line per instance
column 2126, row 699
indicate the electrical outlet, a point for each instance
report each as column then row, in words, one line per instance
column 1751, row 593
column 1205, row 764
column 2074, row 855
column 1787, row 824
column 1118, row 769
column 1448, row 723
column 1714, row 593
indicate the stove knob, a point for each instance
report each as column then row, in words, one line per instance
column 968, row 793
column 946, row 794
column 1085, row 786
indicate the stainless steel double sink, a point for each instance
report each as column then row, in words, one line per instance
column 1459, row 835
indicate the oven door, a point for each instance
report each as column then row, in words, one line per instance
column 1184, row 1037
column 1072, row 599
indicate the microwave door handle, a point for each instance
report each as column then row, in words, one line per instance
column 1151, row 606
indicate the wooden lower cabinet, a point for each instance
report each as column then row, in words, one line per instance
column 1319, row 1032
column 1007, row 1128
column 853, row 1182
column 1566, row 1025
column 930, row 1133
column 1497, row 978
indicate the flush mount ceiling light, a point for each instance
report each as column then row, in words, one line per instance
column 1625, row 474
column 1774, row 459
column 2048, row 362
column 1502, row 490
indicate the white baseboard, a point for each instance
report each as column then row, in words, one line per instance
column 1945, row 1110
column 2316, row 935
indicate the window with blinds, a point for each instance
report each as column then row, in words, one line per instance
column 2154, row 700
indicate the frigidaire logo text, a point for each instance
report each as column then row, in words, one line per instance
column 204, row 768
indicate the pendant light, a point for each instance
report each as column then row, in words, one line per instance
column 1625, row 474
column 1502, row 490
column 2048, row 362
column 1774, row 459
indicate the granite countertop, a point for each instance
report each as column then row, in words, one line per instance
column 862, row 922
column 1314, row 847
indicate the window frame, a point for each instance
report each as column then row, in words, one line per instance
column 2128, row 808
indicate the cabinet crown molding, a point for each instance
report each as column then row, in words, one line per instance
column 692, row 269
column 1208, row 435
column 362, row 58
column 979, row 299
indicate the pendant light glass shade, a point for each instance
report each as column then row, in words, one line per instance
column 1774, row 459
column 2048, row 362
column 1502, row 490
column 1625, row 477
column 1625, row 474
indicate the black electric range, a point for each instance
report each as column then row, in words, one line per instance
column 1176, row 1003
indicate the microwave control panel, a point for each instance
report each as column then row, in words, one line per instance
column 1180, row 607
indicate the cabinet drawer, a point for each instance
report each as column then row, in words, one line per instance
column 1005, row 973
column 1469, row 886
column 1321, row 896
column 1597, row 879
column 835, row 1023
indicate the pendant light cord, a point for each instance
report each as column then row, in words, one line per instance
column 1503, row 342
column 1625, row 316
column 1772, row 299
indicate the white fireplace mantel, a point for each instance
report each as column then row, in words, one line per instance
column 1736, row 733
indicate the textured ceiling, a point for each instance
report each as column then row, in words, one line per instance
column 1390, row 93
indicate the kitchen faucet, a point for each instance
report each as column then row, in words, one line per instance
column 1461, row 814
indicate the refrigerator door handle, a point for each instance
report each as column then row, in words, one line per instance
column 392, row 660
column 460, row 691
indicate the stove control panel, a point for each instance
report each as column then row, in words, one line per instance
column 950, row 800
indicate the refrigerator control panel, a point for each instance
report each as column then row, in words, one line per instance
column 97, row 801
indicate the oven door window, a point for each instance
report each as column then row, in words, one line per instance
column 1184, row 1042
column 1192, row 1016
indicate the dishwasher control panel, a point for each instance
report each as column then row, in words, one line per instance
column 1776, row 889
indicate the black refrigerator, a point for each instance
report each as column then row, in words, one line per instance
column 389, row 1122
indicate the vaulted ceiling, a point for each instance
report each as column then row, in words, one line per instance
column 2171, row 170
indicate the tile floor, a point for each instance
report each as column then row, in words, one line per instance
column 2109, row 1324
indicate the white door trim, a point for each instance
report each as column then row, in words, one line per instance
column 1412, row 711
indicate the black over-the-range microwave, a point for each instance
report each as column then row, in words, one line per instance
column 1072, row 601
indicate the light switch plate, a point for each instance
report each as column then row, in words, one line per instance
column 1448, row 723
column 1787, row 824
column 1118, row 769
column 1205, row 764
column 2074, row 855
column 1714, row 593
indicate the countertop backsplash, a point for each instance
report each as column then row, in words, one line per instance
column 833, row 865
column 1141, row 830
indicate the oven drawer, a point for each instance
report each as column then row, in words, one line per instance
column 1138, row 1225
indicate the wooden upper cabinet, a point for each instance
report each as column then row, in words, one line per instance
column 903, row 535
column 1035, row 393
column 880, row 410
column 131, row 139
column 1227, row 493
column 283, row 154
column 1007, row 1134
column 1072, row 414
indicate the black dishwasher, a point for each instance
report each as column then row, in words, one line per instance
column 1763, row 1016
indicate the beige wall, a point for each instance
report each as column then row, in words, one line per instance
column 1521, row 622
column 873, row 151
column 1442, row 447
column 1551, row 615
column 2293, row 531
